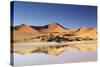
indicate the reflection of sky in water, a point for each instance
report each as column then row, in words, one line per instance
column 65, row 57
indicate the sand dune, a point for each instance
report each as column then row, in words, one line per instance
column 55, row 28
column 83, row 30
column 25, row 28
column 21, row 36
column 24, row 32
column 87, row 32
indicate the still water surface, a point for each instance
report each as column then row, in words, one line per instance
column 68, row 56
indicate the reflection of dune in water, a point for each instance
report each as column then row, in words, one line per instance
column 57, row 50
column 69, row 56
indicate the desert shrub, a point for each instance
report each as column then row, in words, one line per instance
column 25, row 40
column 78, row 39
column 87, row 38
column 57, row 47
column 91, row 39
column 47, row 38
column 32, row 38
column 69, row 39
column 37, row 37
column 51, row 46
column 51, row 37
column 42, row 39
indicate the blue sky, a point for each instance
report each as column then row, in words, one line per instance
column 69, row 16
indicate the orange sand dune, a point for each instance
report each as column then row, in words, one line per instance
column 87, row 32
column 92, row 34
column 19, row 36
column 25, row 28
column 55, row 27
column 83, row 30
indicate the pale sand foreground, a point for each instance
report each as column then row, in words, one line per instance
column 54, row 48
